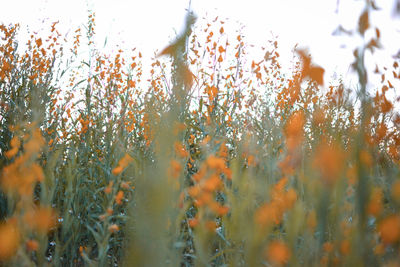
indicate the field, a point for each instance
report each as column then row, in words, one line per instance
column 210, row 159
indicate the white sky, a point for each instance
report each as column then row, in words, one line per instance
column 150, row 24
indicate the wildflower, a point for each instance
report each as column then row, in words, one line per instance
column 203, row 198
column 267, row 214
column 32, row 245
column 81, row 249
column 193, row 222
column 205, row 140
column 228, row 173
column 37, row 172
column 175, row 168
column 218, row 208
column 199, row 175
column 117, row 170
column 278, row 253
column 318, row 117
column 15, row 143
column 375, row 205
column 125, row 185
column 9, row 240
column 290, row 198
column 213, row 183
column 122, row 164
column 389, row 229
column 294, row 127
column 108, row 189
column 113, row 228
column 345, row 247
column 327, row 247
column 194, row 191
column 180, row 150
column 216, row 163
column 110, row 211
column 251, row 161
column 329, row 160
column 41, row 219
column 312, row 220
column 39, row 42
column 119, row 197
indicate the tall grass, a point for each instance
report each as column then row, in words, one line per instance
column 214, row 161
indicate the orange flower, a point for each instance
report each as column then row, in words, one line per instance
column 117, row 170
column 81, row 249
column 389, row 229
column 375, row 205
column 175, row 168
column 267, row 214
column 32, row 245
column 38, row 42
column 41, row 219
column 213, row 183
column 312, row 220
column 251, row 161
column 9, row 240
column 216, row 163
column 290, row 198
column 345, row 247
column 15, row 144
column 329, row 160
column 113, row 228
column 295, row 124
column 126, row 185
column 122, row 164
column 119, row 197
column 228, row 173
column 294, row 130
column 108, row 189
column 193, row 222
column 110, row 211
column 278, row 253
column 37, row 172
column 180, row 150
column 327, row 247
column 194, row 191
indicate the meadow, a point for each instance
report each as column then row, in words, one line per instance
column 214, row 160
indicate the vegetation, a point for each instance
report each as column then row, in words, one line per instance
column 212, row 161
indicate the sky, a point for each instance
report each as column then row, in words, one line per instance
column 150, row 25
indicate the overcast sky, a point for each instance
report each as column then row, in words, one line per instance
column 150, row 24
